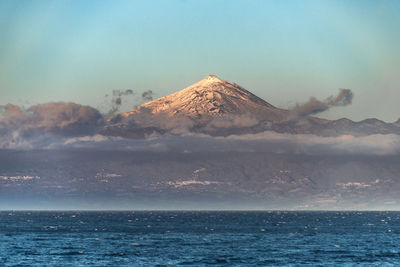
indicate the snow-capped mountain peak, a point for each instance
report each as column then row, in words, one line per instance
column 212, row 98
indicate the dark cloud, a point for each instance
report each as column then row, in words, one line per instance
column 314, row 106
column 147, row 95
column 119, row 93
column 344, row 98
column 116, row 101
column 119, row 97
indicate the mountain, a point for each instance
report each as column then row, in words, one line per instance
column 212, row 98
column 220, row 108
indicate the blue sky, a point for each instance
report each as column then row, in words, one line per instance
column 283, row 51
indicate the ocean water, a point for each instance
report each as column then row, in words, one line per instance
column 199, row 238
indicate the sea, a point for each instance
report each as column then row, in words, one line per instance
column 199, row 238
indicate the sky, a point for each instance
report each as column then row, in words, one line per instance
column 282, row 51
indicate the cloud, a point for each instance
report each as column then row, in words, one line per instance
column 180, row 124
column 96, row 139
column 119, row 99
column 233, row 121
column 56, row 118
column 18, row 140
column 377, row 144
column 314, row 106
column 295, row 144
column 69, row 125
column 116, row 100
column 147, row 95
column 266, row 142
column 10, row 110
column 175, row 124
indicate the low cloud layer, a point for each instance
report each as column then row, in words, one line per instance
column 315, row 106
column 262, row 142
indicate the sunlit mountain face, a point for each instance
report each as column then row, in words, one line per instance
column 212, row 145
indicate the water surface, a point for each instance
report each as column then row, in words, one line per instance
column 177, row 238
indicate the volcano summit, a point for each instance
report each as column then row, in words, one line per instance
column 212, row 98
